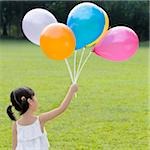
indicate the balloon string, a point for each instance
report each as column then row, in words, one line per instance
column 75, row 58
column 80, row 61
column 69, row 70
column 78, row 73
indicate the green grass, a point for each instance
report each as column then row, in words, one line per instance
column 109, row 113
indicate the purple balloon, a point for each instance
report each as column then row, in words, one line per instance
column 34, row 22
column 119, row 44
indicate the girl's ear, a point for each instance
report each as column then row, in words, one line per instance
column 30, row 101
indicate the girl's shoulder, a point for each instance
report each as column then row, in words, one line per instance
column 34, row 122
column 27, row 122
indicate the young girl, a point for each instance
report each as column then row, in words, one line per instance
column 28, row 133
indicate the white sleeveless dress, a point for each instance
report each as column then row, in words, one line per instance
column 30, row 137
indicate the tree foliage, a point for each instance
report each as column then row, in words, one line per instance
column 134, row 14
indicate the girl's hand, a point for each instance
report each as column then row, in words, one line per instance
column 74, row 88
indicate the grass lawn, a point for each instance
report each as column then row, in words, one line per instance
column 109, row 113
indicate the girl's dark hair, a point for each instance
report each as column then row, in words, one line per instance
column 19, row 100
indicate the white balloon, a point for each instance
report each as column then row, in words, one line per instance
column 35, row 21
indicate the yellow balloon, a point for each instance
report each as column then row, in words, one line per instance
column 104, row 31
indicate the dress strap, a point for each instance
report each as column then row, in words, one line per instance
column 16, row 123
column 38, row 119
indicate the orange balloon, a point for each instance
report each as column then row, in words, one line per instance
column 57, row 41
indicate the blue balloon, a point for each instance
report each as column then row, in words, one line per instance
column 87, row 21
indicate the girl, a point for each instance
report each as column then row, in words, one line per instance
column 28, row 133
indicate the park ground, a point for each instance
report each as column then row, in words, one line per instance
column 110, row 111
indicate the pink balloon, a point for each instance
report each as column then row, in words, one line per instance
column 119, row 44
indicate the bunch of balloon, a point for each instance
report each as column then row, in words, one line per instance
column 87, row 26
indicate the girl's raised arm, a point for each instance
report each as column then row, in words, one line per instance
column 63, row 106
